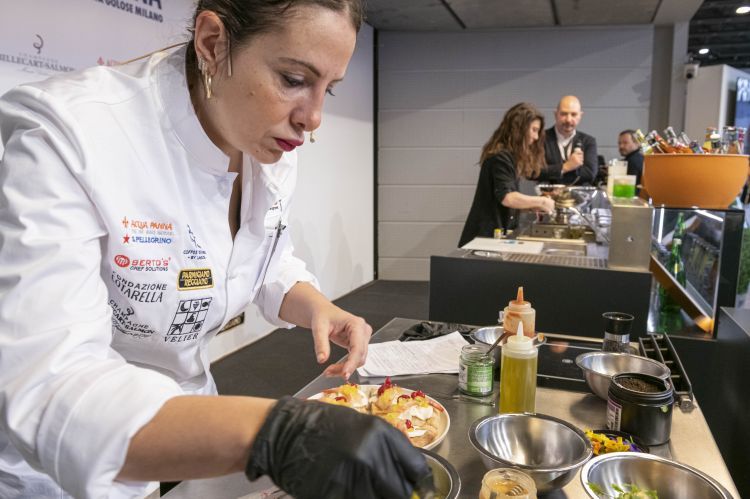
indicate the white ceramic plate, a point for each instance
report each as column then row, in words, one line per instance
column 443, row 419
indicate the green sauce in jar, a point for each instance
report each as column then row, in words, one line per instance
column 475, row 371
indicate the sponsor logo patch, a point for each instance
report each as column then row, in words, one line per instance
column 147, row 231
column 122, row 323
column 195, row 279
column 196, row 253
column 148, row 292
column 143, row 264
column 188, row 320
column 122, row 261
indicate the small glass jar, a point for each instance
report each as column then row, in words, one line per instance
column 475, row 371
column 507, row 482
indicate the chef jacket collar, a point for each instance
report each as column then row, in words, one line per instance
column 175, row 98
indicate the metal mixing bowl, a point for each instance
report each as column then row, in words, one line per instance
column 599, row 367
column 546, row 448
column 486, row 336
column 447, row 481
column 670, row 479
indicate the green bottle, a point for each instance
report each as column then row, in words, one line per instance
column 670, row 318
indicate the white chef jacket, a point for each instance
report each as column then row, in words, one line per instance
column 117, row 266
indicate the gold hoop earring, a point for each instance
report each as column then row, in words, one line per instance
column 207, row 79
column 229, row 57
column 312, row 137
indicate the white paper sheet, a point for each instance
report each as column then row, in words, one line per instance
column 504, row 245
column 395, row 358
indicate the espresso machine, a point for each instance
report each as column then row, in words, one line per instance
column 576, row 216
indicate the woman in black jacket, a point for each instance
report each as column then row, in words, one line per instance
column 515, row 150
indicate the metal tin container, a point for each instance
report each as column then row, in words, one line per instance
column 641, row 404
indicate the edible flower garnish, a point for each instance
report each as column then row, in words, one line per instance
column 602, row 444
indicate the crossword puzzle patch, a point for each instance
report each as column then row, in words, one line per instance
column 188, row 320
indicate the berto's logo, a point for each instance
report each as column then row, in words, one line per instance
column 38, row 45
column 122, row 261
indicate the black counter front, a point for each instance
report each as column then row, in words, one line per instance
column 569, row 299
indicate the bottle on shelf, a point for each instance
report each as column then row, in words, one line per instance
column 518, row 366
column 676, row 263
column 670, row 317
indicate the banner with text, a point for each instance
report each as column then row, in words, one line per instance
column 40, row 38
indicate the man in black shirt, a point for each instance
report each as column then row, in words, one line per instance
column 631, row 151
column 570, row 155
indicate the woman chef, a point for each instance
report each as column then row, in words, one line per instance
column 143, row 206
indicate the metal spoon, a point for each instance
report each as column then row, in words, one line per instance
column 539, row 340
column 498, row 341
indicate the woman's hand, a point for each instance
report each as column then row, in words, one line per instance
column 307, row 307
column 312, row 449
column 546, row 205
column 332, row 324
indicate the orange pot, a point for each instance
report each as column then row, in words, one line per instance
column 702, row 180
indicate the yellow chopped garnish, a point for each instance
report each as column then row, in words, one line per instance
column 602, row 444
column 349, row 390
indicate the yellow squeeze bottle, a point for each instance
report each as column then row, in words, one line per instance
column 518, row 374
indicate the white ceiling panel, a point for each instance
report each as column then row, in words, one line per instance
column 600, row 12
column 459, row 15
column 411, row 15
column 481, row 14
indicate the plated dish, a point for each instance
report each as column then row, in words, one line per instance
column 418, row 416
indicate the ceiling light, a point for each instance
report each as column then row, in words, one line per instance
column 703, row 51
column 743, row 10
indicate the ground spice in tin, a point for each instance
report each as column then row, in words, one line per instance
column 639, row 385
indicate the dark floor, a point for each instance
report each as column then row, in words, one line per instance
column 284, row 361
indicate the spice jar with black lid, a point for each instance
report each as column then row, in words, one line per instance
column 641, row 404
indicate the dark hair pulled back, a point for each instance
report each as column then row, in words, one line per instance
column 511, row 136
column 245, row 19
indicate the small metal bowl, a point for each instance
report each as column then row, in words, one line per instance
column 669, row 479
column 599, row 367
column 546, row 448
column 486, row 336
column 447, row 481
column 551, row 190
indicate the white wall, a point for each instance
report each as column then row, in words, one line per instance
column 708, row 99
column 441, row 95
column 332, row 221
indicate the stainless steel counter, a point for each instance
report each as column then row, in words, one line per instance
column 691, row 441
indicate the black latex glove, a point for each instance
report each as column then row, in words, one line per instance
column 313, row 450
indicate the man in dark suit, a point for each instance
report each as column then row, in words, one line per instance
column 630, row 149
column 570, row 155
